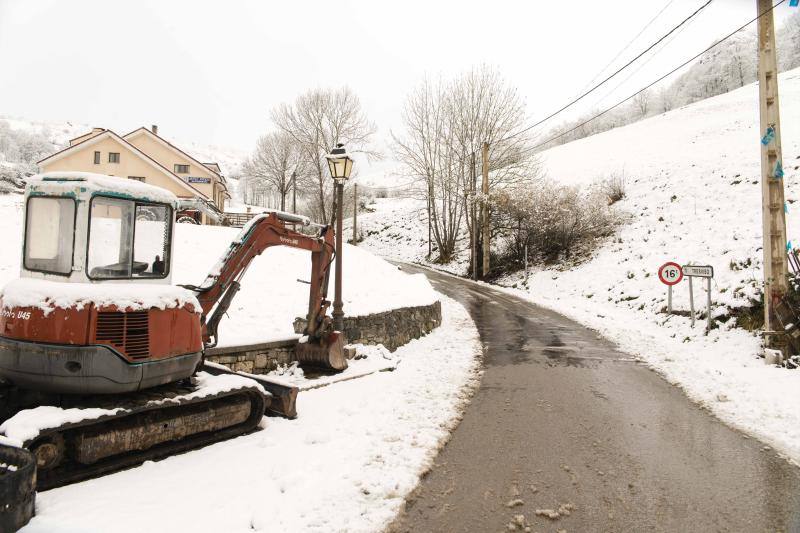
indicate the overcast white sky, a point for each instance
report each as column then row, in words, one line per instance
column 211, row 71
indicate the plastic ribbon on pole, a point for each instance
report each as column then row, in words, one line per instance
column 768, row 136
column 778, row 170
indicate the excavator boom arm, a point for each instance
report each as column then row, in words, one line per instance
column 262, row 232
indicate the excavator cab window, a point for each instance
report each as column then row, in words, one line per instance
column 128, row 239
column 49, row 234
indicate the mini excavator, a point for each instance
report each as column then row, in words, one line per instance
column 94, row 322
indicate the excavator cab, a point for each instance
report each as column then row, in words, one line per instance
column 94, row 310
column 83, row 229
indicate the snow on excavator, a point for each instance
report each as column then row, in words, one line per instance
column 93, row 328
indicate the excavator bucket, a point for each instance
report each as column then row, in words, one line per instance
column 327, row 352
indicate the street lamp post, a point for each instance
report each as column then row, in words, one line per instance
column 340, row 166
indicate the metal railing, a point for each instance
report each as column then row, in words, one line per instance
column 238, row 220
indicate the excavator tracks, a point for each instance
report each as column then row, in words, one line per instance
column 142, row 427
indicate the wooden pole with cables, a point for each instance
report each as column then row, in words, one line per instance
column 776, row 267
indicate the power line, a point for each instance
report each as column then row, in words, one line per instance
column 623, row 67
column 551, row 139
column 624, row 48
column 644, row 64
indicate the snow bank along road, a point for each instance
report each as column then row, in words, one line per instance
column 566, row 425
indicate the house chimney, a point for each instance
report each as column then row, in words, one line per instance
column 154, row 129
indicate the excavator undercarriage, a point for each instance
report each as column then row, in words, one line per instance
column 113, row 432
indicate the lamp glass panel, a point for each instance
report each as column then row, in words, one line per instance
column 337, row 167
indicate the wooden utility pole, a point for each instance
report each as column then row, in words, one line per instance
column 485, row 209
column 776, row 267
column 430, row 250
column 355, row 214
column 294, row 192
column 472, row 212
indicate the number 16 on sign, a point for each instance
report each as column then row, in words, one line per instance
column 670, row 274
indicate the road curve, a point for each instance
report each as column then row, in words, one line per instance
column 563, row 419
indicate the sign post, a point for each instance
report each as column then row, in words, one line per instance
column 670, row 274
column 698, row 271
column 526, row 263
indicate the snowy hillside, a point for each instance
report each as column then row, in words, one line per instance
column 693, row 196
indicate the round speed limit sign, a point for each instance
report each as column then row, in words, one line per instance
column 670, row 273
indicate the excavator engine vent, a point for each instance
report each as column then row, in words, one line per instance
column 128, row 332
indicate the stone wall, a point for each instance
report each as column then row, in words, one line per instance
column 254, row 358
column 392, row 328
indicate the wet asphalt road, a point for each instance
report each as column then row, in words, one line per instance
column 562, row 418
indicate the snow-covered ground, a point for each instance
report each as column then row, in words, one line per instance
column 272, row 297
column 693, row 194
column 345, row 464
column 397, row 228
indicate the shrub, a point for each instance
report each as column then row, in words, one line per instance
column 555, row 222
column 614, row 189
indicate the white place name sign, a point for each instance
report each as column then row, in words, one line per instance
column 698, row 271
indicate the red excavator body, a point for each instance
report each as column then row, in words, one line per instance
column 94, row 323
column 94, row 312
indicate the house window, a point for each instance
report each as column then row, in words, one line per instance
column 136, row 178
column 97, row 158
column 181, row 169
column 113, row 157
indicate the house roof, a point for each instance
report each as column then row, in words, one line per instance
column 110, row 134
column 95, row 131
column 165, row 142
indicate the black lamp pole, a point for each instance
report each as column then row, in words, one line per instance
column 338, row 312
column 340, row 166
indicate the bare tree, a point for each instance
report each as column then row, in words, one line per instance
column 666, row 99
column 445, row 127
column 642, row 102
column 274, row 164
column 317, row 121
